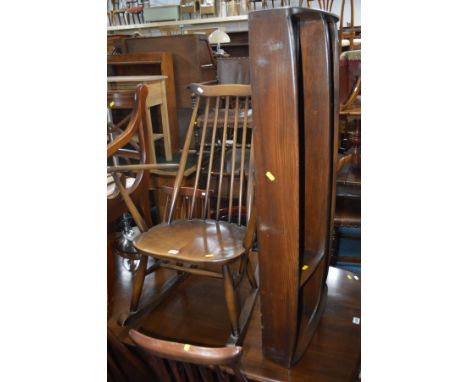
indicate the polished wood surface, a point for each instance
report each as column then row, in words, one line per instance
column 333, row 355
column 224, row 160
column 192, row 59
column 295, row 110
column 187, row 362
column 186, row 352
column 194, row 241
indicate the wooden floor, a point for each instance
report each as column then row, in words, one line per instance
column 195, row 313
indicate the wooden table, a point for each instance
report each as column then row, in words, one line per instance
column 332, row 356
column 156, row 96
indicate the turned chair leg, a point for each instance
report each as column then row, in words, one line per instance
column 231, row 300
column 138, row 282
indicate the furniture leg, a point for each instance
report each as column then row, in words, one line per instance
column 165, row 125
column 250, row 274
column 138, row 282
column 231, row 300
column 149, row 132
column 110, row 276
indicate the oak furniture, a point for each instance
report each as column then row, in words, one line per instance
column 187, row 7
column 348, row 195
column 332, row 356
column 219, row 244
column 192, row 59
column 185, row 362
column 120, row 136
column 156, row 96
column 152, row 63
column 294, row 77
column 207, row 8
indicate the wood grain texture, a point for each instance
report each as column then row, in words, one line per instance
column 293, row 95
column 333, row 355
column 150, row 64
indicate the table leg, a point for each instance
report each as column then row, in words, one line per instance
column 165, row 124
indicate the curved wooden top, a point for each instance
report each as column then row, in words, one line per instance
column 194, row 241
column 186, row 352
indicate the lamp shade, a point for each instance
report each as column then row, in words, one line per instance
column 218, row 37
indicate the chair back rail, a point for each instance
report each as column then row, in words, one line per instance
column 222, row 152
column 188, row 362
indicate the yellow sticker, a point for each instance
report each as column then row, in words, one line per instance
column 349, row 277
column 270, row 176
column 209, row 255
column 186, row 347
column 305, row 267
column 112, row 104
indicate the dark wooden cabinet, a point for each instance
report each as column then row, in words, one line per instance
column 294, row 77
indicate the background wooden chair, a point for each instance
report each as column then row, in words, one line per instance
column 187, row 7
column 127, row 153
column 347, row 220
column 197, row 246
column 120, row 136
column 174, row 362
column 208, row 8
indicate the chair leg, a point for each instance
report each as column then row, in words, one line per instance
column 138, row 282
column 231, row 300
column 250, row 274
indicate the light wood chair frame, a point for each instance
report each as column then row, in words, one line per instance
column 232, row 94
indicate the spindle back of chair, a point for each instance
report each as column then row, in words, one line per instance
column 224, row 170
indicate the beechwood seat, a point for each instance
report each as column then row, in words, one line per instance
column 214, row 241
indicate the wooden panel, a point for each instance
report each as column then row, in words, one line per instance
column 293, row 97
column 192, row 58
column 276, row 118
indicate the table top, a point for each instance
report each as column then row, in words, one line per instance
column 135, row 78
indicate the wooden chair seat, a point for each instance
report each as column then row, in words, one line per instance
column 194, row 241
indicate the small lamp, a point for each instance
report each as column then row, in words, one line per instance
column 219, row 37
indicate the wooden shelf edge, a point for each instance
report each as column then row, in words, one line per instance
column 210, row 20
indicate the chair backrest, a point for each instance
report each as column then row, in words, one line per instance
column 224, row 164
column 325, row 5
column 173, row 361
column 122, row 147
column 350, row 78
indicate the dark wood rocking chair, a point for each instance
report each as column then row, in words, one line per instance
column 224, row 173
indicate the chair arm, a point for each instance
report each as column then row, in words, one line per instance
column 141, row 167
column 352, row 98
